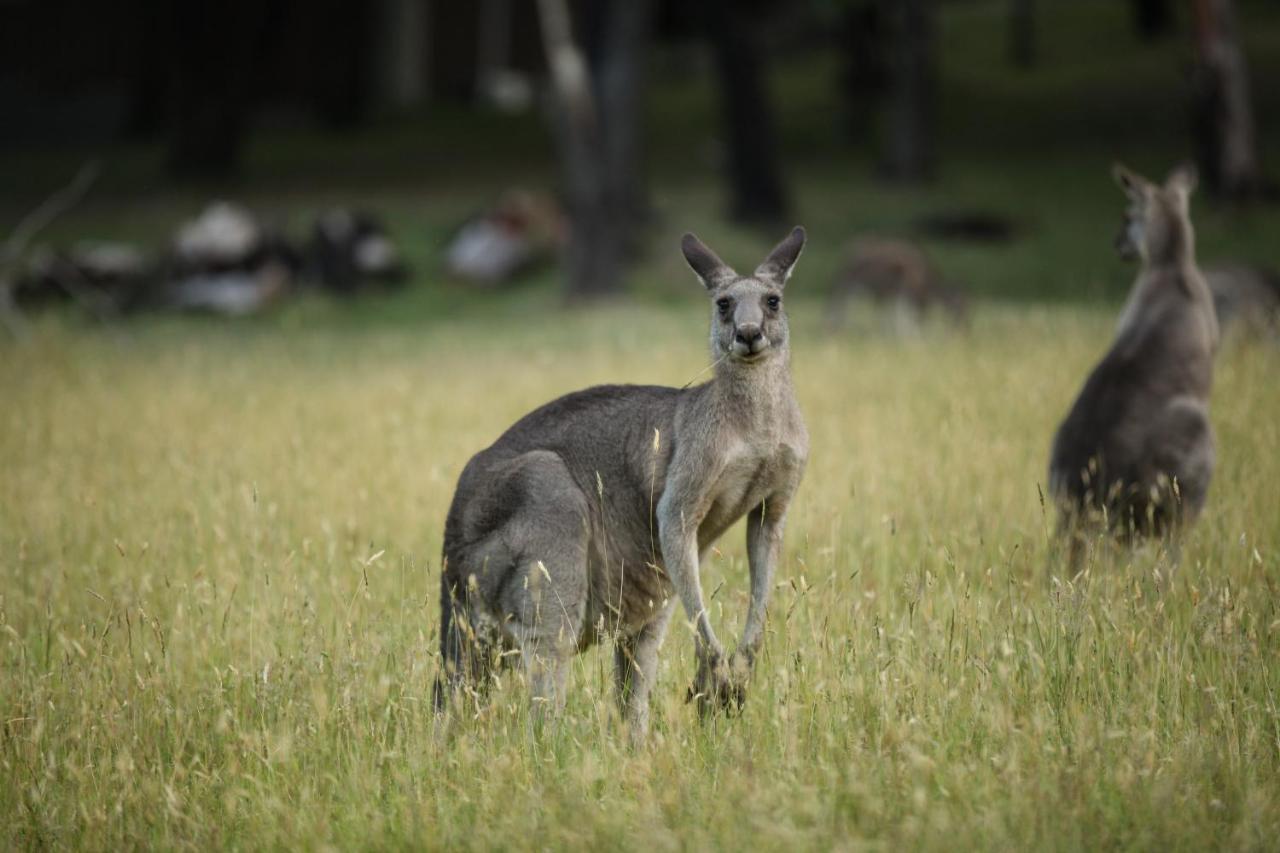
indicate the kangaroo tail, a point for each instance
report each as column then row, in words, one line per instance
column 451, row 644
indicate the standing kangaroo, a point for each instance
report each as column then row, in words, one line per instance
column 580, row 521
column 1137, row 447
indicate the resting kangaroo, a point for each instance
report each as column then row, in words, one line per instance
column 580, row 521
column 1137, row 446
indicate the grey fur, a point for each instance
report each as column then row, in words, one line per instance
column 1137, row 446
column 581, row 521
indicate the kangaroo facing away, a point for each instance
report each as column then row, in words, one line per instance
column 580, row 522
column 1137, row 448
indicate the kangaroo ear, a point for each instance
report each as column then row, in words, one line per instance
column 1184, row 178
column 1131, row 182
column 783, row 257
column 711, row 271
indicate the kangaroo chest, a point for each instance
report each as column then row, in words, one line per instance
column 748, row 476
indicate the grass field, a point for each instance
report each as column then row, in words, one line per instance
column 218, row 617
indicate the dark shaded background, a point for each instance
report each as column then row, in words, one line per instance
column 735, row 118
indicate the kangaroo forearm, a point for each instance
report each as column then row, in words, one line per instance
column 680, row 554
column 764, row 542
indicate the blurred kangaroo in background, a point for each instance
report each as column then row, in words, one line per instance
column 581, row 520
column 895, row 274
column 1137, row 448
column 1246, row 297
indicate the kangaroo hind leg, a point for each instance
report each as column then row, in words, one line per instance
column 1181, row 459
column 543, row 600
column 635, row 664
column 466, row 649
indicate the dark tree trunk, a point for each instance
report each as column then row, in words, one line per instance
column 598, row 114
column 216, row 50
column 755, row 173
column 455, row 41
column 1022, row 33
column 864, row 74
column 152, row 94
column 907, row 136
column 1222, row 113
column 402, row 57
column 1152, row 18
column 616, row 53
column 343, row 72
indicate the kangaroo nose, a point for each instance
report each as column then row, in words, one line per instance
column 749, row 333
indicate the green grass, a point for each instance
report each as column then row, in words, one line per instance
column 218, row 556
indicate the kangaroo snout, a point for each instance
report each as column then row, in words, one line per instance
column 749, row 339
column 1124, row 244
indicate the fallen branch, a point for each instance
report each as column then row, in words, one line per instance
column 15, row 247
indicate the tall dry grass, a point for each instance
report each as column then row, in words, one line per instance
column 218, row 557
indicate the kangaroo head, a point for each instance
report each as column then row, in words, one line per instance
column 1157, row 223
column 748, row 321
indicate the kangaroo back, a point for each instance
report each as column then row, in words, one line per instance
column 1136, row 447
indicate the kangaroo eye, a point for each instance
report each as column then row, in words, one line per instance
column 773, row 302
column 724, row 303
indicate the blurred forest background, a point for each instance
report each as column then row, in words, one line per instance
column 980, row 129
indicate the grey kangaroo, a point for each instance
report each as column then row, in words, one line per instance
column 584, row 517
column 1137, row 447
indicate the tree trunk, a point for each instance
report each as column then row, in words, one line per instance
column 493, row 50
column 1222, row 114
column 454, row 28
column 864, row 59
column 1152, row 18
column 755, row 173
column 215, row 53
column 907, row 144
column 616, row 57
column 152, row 96
column 403, row 57
column 598, row 114
column 342, row 76
column 1022, row 33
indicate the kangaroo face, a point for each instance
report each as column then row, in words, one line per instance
column 1154, row 219
column 748, row 323
column 1131, row 241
